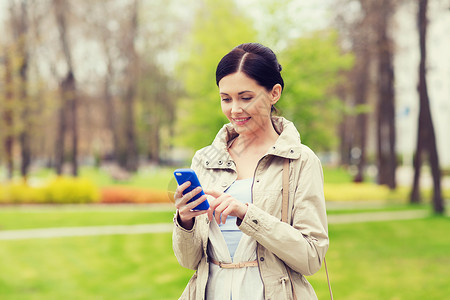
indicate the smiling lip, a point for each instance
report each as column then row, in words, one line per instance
column 241, row 121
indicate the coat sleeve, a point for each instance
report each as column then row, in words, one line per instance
column 302, row 245
column 187, row 244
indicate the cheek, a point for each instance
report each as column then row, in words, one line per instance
column 225, row 108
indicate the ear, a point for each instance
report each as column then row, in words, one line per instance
column 275, row 93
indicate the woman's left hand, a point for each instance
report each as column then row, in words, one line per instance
column 224, row 205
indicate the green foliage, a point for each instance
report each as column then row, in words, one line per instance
column 58, row 190
column 311, row 67
column 219, row 27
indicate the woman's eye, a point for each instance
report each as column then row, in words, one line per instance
column 225, row 99
column 247, row 98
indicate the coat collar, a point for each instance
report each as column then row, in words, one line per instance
column 288, row 144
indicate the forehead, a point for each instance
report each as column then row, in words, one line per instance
column 237, row 82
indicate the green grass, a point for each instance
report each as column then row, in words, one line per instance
column 23, row 218
column 379, row 260
column 381, row 208
column 389, row 260
column 104, row 267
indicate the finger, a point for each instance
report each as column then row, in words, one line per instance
column 217, row 200
column 180, row 189
column 220, row 217
column 217, row 214
column 195, row 203
column 184, row 186
column 210, row 213
column 183, row 203
column 228, row 211
column 190, row 195
column 186, row 211
column 214, row 193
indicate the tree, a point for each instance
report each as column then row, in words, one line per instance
column 426, row 139
column 19, row 20
column 311, row 68
column 387, row 161
column 69, row 101
column 129, row 150
column 219, row 26
column 365, row 25
column 7, row 113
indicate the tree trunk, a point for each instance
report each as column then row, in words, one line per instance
column 8, row 116
column 426, row 140
column 68, row 91
column 21, row 34
column 361, row 86
column 131, row 148
column 69, row 101
column 387, row 161
column 111, row 115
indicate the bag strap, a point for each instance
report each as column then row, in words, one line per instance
column 284, row 218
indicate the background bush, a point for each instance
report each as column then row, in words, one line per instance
column 58, row 190
column 121, row 194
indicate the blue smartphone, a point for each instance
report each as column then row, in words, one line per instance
column 183, row 175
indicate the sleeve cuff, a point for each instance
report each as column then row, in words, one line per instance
column 179, row 227
column 252, row 221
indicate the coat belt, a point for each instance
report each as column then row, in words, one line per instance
column 253, row 263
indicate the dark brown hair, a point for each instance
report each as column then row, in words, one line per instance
column 256, row 61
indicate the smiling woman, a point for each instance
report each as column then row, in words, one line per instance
column 240, row 247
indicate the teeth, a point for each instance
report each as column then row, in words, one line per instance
column 241, row 120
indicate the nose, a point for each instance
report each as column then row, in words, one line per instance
column 236, row 107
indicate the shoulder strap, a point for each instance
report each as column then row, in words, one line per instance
column 285, row 203
column 284, row 218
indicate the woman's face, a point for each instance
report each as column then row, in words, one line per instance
column 246, row 104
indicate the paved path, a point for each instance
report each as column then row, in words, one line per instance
column 44, row 233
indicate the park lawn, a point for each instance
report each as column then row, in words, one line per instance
column 388, row 260
column 96, row 267
column 25, row 217
column 385, row 260
column 59, row 216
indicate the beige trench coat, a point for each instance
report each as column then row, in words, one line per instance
column 300, row 244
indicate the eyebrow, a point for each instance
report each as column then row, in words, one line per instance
column 240, row 93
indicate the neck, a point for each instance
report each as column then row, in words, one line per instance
column 262, row 139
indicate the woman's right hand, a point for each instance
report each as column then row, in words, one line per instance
column 185, row 214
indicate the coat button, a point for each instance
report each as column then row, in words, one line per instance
column 207, row 162
column 229, row 164
column 292, row 151
column 261, row 258
column 220, row 162
column 255, row 221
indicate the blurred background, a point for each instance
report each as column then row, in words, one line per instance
column 101, row 100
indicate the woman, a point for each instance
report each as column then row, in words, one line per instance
column 240, row 248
